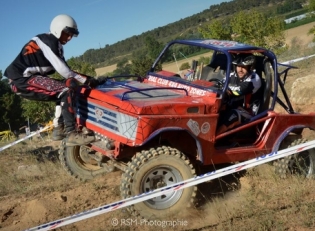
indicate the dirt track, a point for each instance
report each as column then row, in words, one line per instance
column 300, row 33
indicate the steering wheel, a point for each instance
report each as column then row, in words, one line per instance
column 218, row 83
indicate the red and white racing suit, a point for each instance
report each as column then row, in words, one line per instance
column 28, row 76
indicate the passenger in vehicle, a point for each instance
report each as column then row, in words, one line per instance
column 244, row 82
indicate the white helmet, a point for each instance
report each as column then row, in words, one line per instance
column 64, row 23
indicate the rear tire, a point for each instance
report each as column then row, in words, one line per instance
column 76, row 162
column 302, row 163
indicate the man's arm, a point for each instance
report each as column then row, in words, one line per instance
column 58, row 63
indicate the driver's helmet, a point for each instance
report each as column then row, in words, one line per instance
column 244, row 60
column 64, row 23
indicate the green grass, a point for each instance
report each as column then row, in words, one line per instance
column 295, row 13
column 299, row 23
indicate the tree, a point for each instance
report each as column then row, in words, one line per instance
column 204, row 60
column 11, row 104
column 311, row 8
column 38, row 112
column 250, row 27
column 288, row 6
column 274, row 38
column 258, row 29
column 184, row 66
column 216, row 29
column 153, row 47
column 10, row 107
column 81, row 67
column 311, row 5
column 140, row 66
column 123, row 68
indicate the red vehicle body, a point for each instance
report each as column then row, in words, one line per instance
column 159, row 128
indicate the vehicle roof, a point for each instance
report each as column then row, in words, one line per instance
column 220, row 45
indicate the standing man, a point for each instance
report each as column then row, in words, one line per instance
column 42, row 56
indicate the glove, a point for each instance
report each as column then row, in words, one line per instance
column 102, row 80
column 71, row 83
column 93, row 82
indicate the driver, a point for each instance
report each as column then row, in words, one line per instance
column 243, row 83
column 40, row 57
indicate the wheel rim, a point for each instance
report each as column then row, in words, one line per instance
column 302, row 164
column 80, row 157
column 160, row 177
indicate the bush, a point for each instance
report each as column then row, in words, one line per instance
column 184, row 66
column 204, row 60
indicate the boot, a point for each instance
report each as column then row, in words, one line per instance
column 58, row 133
column 75, row 138
column 87, row 131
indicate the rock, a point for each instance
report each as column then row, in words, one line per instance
column 302, row 91
column 15, row 222
column 63, row 198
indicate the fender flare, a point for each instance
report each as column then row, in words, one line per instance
column 161, row 130
column 285, row 134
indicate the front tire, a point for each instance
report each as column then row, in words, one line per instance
column 156, row 168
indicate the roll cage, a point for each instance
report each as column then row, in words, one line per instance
column 222, row 56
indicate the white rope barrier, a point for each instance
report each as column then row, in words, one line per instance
column 179, row 186
column 25, row 138
column 298, row 59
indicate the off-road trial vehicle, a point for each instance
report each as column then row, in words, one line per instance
column 160, row 129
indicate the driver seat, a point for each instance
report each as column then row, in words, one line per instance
column 261, row 99
column 216, row 68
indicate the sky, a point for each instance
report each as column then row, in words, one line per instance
column 100, row 22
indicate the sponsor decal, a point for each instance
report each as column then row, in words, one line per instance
column 221, row 43
column 194, row 127
column 205, row 127
column 98, row 114
column 168, row 83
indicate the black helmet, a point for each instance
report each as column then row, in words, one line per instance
column 244, row 60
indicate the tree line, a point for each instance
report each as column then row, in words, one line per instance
column 186, row 28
